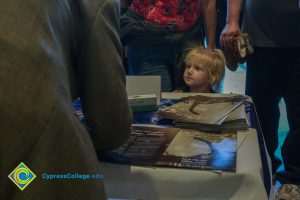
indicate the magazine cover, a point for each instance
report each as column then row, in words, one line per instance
column 175, row 147
column 201, row 150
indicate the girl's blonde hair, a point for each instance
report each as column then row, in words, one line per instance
column 212, row 59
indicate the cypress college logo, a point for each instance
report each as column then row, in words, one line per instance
column 22, row 176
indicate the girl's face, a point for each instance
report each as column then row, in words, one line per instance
column 196, row 77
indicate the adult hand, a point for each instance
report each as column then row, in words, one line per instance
column 226, row 38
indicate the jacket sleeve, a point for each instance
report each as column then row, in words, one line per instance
column 103, row 91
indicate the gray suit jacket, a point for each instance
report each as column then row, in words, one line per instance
column 52, row 51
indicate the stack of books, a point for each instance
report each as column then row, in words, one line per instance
column 208, row 113
column 204, row 136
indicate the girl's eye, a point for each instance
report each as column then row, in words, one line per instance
column 200, row 68
column 188, row 66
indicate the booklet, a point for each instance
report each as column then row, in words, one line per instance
column 176, row 147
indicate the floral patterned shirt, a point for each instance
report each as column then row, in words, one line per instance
column 175, row 15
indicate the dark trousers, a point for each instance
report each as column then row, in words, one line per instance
column 153, row 59
column 273, row 73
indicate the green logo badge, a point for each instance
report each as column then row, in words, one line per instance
column 22, row 176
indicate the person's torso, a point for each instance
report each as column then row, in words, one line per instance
column 175, row 15
column 272, row 23
column 38, row 40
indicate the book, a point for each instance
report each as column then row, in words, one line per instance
column 208, row 113
column 176, row 147
column 236, row 120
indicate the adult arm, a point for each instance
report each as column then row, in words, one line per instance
column 210, row 21
column 232, row 23
column 103, row 91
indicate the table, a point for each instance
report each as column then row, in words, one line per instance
column 155, row 183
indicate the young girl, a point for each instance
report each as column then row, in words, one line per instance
column 204, row 70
